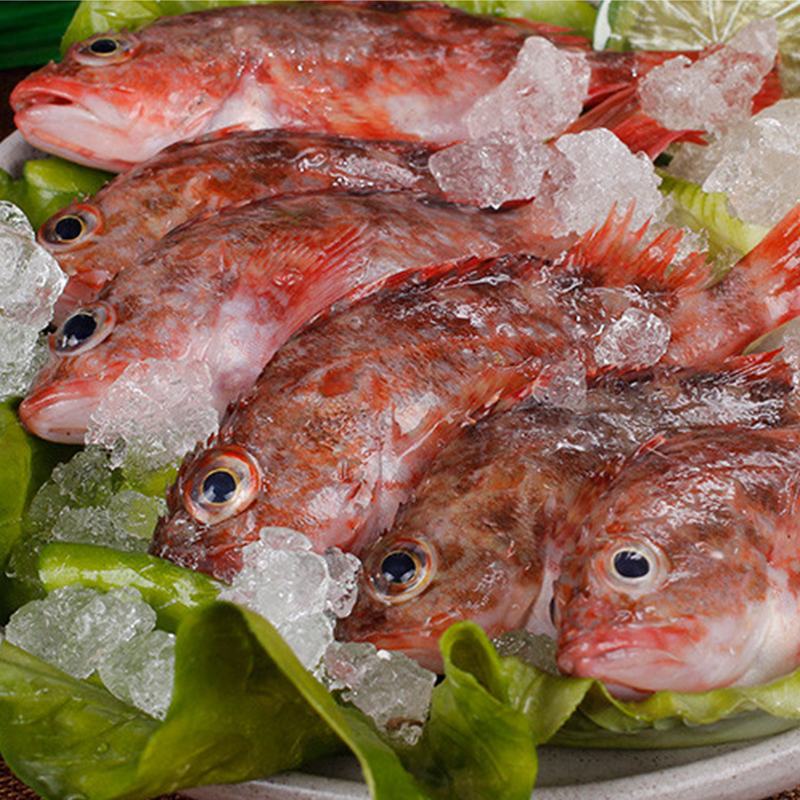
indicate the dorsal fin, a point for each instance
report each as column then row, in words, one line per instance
column 613, row 255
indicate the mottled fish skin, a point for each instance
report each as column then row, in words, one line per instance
column 343, row 423
column 685, row 574
column 483, row 534
column 94, row 239
column 368, row 70
column 228, row 289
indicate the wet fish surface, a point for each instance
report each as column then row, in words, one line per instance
column 95, row 239
column 368, row 70
column 348, row 416
column 224, row 291
column 484, row 532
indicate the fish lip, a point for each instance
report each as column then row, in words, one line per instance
column 61, row 412
column 45, row 104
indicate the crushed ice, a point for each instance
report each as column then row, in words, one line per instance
column 539, row 98
column 154, row 414
column 717, row 90
column 82, row 631
column 30, row 283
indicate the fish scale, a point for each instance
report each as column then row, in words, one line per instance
column 368, row 70
column 484, row 532
column 455, row 344
column 227, row 289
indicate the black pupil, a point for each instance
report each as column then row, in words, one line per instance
column 630, row 564
column 77, row 329
column 219, row 487
column 68, row 228
column 398, row 568
column 103, row 47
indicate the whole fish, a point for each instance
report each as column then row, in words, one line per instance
column 351, row 412
column 483, row 534
column 94, row 239
column 369, row 70
column 685, row 572
column 227, row 289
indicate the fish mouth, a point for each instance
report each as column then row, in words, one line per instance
column 47, row 106
column 61, row 412
column 632, row 662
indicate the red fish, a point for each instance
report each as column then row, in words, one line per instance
column 369, row 70
column 94, row 239
column 349, row 415
column 483, row 534
column 685, row 572
column 228, row 289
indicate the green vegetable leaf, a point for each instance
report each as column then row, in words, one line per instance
column 49, row 184
column 476, row 744
column 171, row 590
column 709, row 211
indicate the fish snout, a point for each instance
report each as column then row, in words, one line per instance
column 61, row 412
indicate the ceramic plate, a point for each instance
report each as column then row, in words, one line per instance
column 746, row 771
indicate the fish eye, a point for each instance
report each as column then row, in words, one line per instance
column 403, row 572
column 222, row 484
column 84, row 329
column 105, row 48
column 70, row 228
column 635, row 565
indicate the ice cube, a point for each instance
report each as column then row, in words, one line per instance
column 343, row 570
column 604, row 173
column 758, row 164
column 637, row 338
column 389, row 687
column 30, row 283
column 159, row 409
column 309, row 636
column 493, row 170
column 717, row 90
column 75, row 628
column 141, row 672
column 539, row 98
column 562, row 384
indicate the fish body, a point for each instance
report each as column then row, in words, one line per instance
column 95, row 239
column 685, row 571
column 348, row 416
column 227, row 289
column 483, row 533
column 368, row 70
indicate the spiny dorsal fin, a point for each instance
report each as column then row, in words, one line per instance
column 613, row 255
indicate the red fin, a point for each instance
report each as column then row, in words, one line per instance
column 621, row 113
column 614, row 256
column 772, row 268
column 771, row 91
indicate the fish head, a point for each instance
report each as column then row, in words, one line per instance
column 213, row 510
column 118, row 98
column 414, row 585
column 663, row 588
column 89, row 351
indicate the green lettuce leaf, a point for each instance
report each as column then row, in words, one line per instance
column 48, row 184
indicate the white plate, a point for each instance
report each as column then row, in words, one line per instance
column 745, row 771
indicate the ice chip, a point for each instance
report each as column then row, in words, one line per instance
column 141, row 672
column 343, row 569
column 159, row 409
column 636, row 339
column 389, row 687
column 605, row 174
column 717, row 90
column 493, row 170
column 30, row 283
column 539, row 98
column 757, row 164
column 562, row 385
column 75, row 628
column 309, row 637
